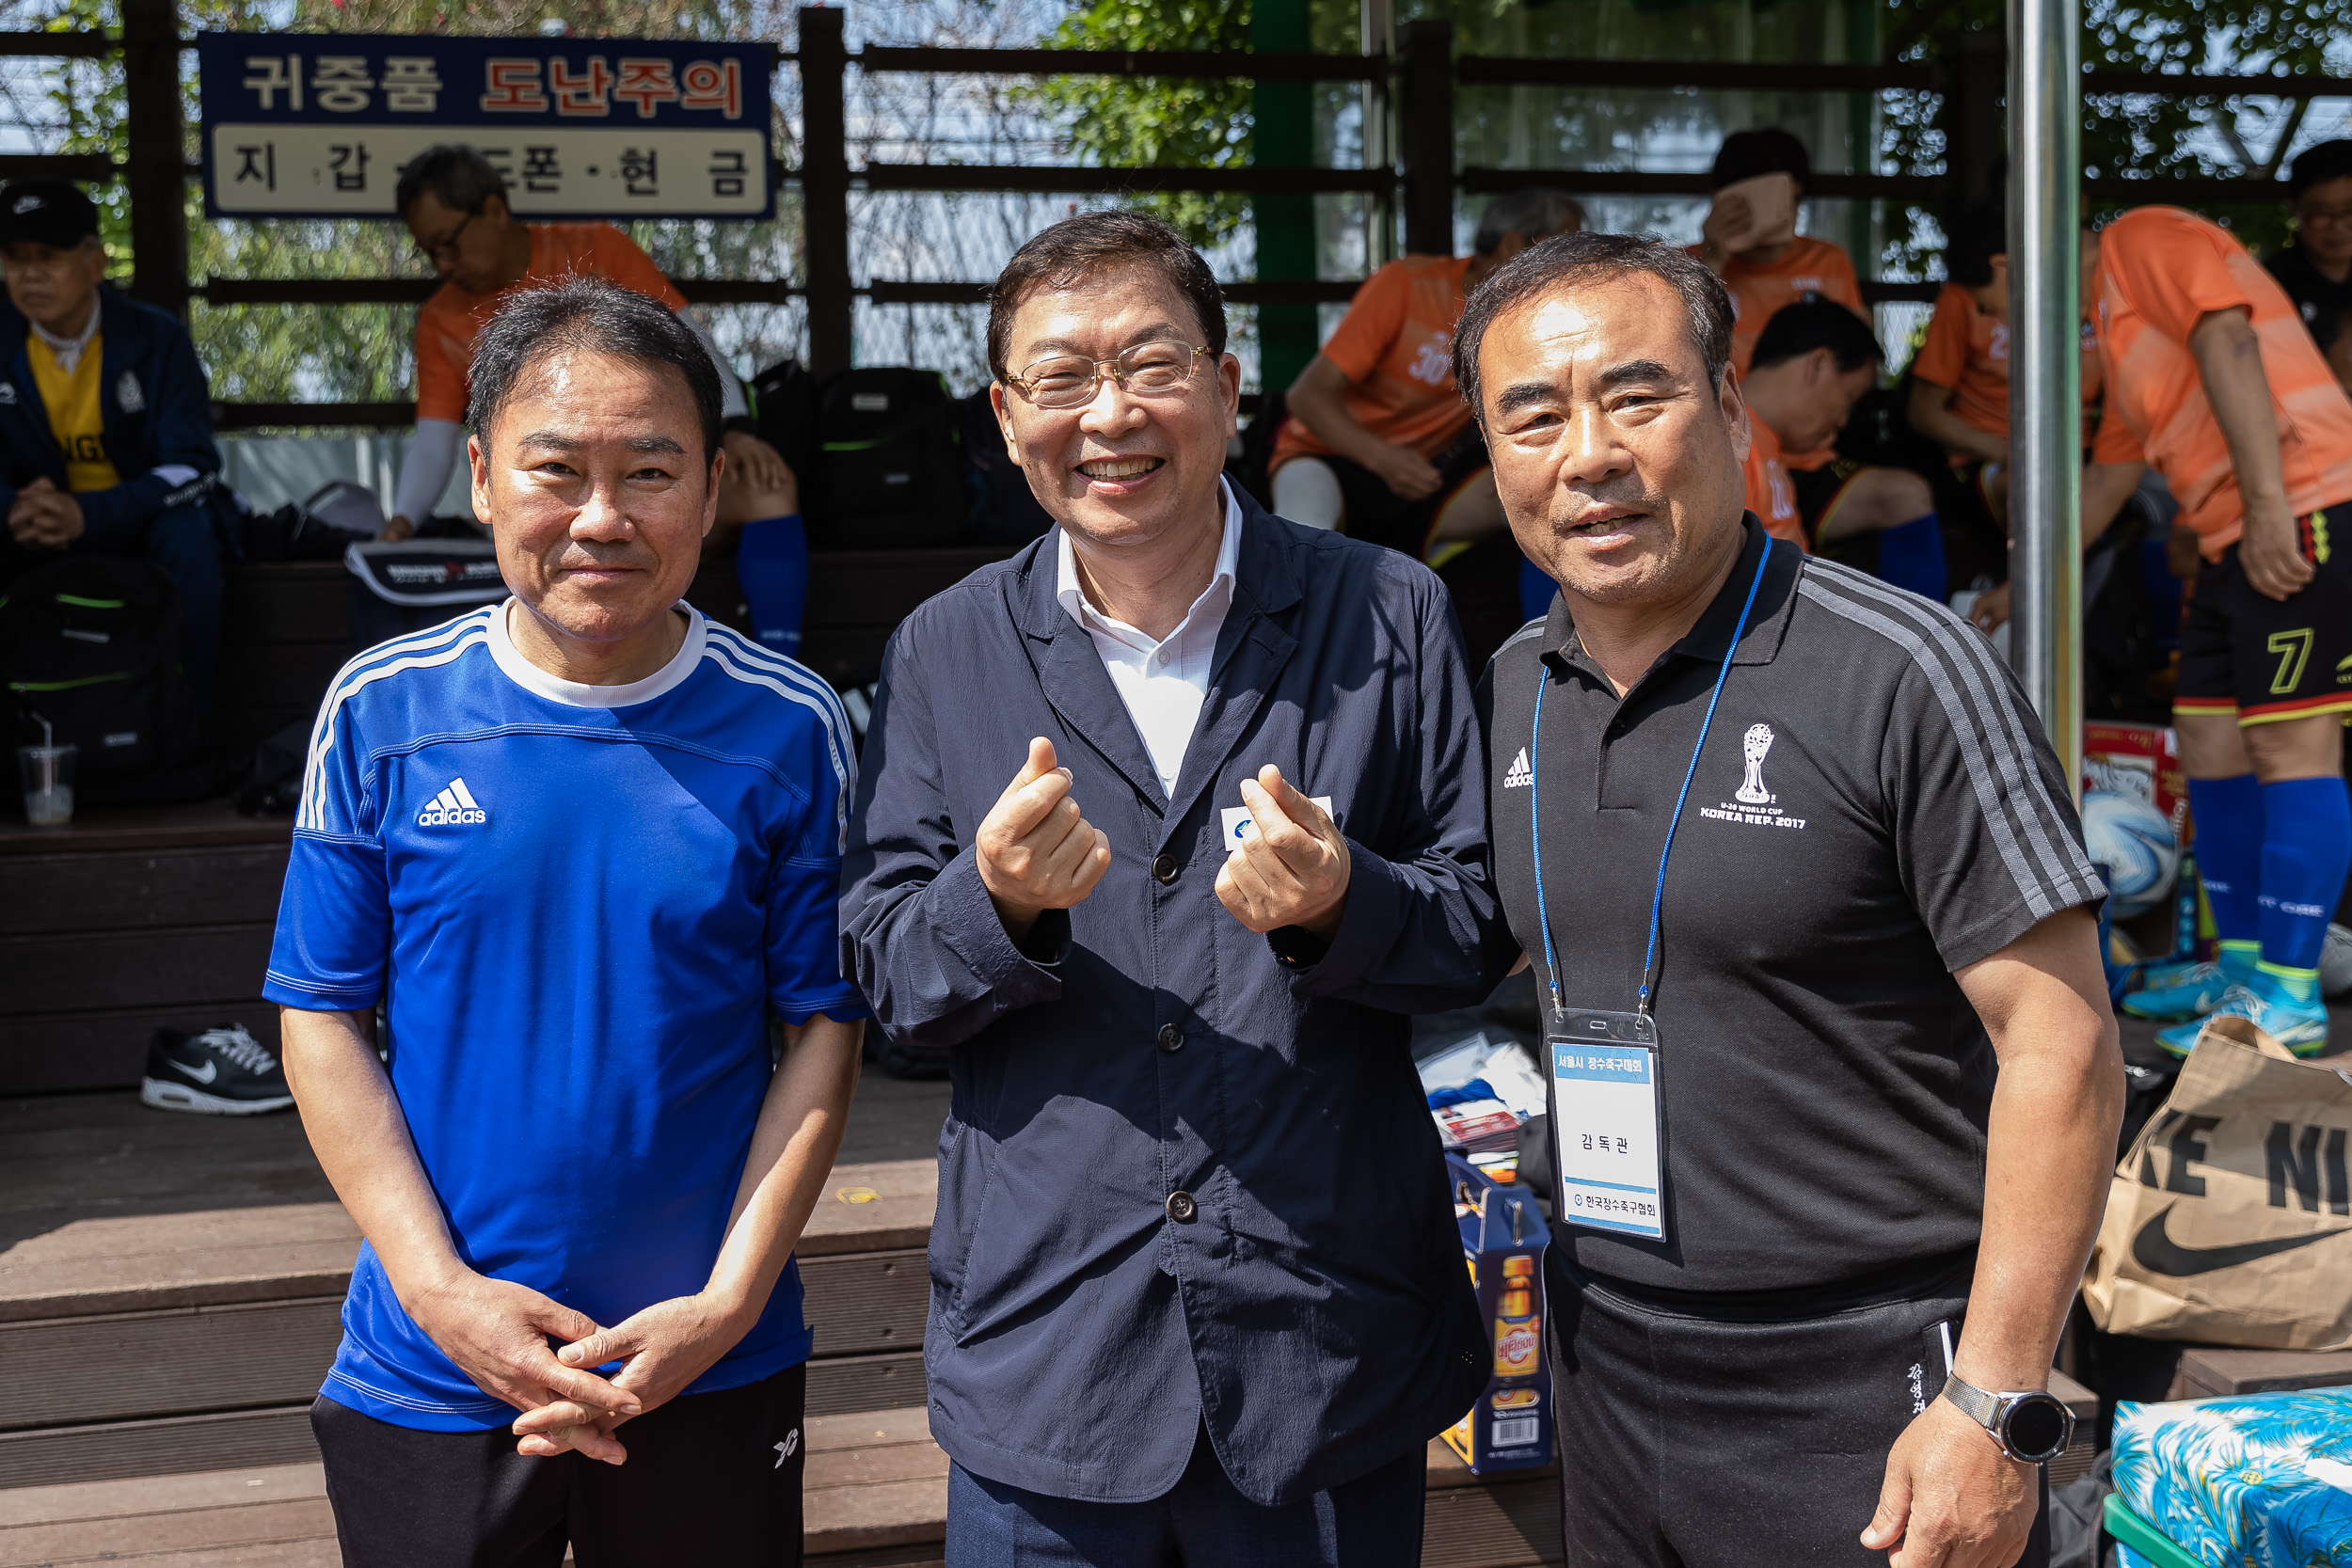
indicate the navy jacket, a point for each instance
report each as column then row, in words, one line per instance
column 1316, row 1311
column 154, row 401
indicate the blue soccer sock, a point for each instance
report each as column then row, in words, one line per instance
column 2229, row 818
column 1911, row 555
column 2307, row 848
column 771, row 563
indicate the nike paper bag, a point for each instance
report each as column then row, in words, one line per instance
column 2227, row 1222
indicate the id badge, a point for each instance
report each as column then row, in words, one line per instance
column 1606, row 1121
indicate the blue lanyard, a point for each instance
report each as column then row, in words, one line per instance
column 1536, row 815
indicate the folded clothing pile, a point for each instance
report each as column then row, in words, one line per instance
column 2263, row 1479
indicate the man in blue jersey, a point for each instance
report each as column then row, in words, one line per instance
column 584, row 844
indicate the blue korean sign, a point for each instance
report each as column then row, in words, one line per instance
column 321, row 125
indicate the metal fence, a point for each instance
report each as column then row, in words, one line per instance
column 1415, row 85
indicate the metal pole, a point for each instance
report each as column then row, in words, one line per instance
column 2045, row 367
column 157, row 170
column 1426, row 130
column 1377, row 19
column 825, row 189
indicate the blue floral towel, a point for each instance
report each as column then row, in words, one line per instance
column 2264, row 1480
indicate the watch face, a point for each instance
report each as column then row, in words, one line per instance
column 2037, row 1429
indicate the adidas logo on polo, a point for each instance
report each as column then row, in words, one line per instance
column 1520, row 776
column 451, row 808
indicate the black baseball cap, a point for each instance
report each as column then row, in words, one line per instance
column 53, row 212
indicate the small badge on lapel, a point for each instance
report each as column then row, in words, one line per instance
column 128, row 395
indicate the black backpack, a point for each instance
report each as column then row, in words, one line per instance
column 784, row 404
column 889, row 469
column 93, row 645
column 1000, row 508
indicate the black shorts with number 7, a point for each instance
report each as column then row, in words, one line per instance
column 2264, row 659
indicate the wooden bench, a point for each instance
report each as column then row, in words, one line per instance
column 288, row 625
column 163, row 915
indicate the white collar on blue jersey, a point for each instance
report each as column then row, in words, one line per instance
column 574, row 693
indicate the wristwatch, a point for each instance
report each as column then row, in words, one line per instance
column 2031, row 1426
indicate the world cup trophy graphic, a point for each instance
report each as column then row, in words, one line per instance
column 1751, row 791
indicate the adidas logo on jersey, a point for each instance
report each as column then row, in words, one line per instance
column 454, row 807
column 1521, row 775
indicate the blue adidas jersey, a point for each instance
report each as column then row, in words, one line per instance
column 579, row 904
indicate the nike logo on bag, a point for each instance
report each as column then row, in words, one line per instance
column 454, row 807
column 212, row 1071
column 1520, row 776
column 2158, row 1252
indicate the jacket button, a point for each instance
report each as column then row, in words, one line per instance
column 1164, row 869
column 1181, row 1208
column 1171, row 1038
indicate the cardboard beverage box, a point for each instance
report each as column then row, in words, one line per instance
column 1504, row 1237
column 2142, row 760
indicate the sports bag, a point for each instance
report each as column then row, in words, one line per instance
column 889, row 469
column 2225, row 1223
column 93, row 645
column 1000, row 508
column 404, row 585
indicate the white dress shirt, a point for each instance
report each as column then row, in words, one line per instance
column 1164, row 683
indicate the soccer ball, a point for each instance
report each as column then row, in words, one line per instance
column 2131, row 839
column 2335, row 963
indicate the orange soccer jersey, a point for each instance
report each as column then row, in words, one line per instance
column 1395, row 346
column 1771, row 497
column 2160, row 271
column 1809, row 267
column 447, row 322
column 1967, row 352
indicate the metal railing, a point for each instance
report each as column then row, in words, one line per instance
column 1421, row 81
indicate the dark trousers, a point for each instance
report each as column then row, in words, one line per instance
column 1202, row 1521
column 710, row 1478
column 1726, row 1442
column 182, row 542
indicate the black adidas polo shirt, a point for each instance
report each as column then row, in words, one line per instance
column 1825, row 1082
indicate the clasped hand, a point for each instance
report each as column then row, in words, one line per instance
column 497, row 1332
column 44, row 516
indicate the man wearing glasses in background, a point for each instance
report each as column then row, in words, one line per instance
column 2316, row 269
column 1165, row 823
column 454, row 203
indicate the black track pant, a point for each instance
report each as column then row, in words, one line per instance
column 710, row 1478
column 1712, row 1442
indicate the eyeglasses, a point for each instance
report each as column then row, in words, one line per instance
column 1072, row 380
column 434, row 250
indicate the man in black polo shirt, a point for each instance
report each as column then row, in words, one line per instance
column 1793, row 1201
column 2316, row 269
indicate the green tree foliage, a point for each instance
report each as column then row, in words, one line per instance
column 2145, row 137
column 1156, row 120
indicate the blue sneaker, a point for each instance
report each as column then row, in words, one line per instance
column 2290, row 1013
column 2171, row 993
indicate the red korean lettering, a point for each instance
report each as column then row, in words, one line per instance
column 513, row 89
column 715, row 85
column 646, row 84
column 588, row 94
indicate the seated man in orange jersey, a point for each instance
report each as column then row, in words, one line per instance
column 1378, row 442
column 1750, row 238
column 1960, row 387
column 2212, row 378
column 1812, row 362
column 454, row 203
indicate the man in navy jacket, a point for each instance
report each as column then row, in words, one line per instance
column 105, row 420
column 1197, row 1287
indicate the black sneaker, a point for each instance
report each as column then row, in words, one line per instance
column 222, row 1071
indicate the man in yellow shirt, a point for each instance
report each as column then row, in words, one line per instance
column 105, row 419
